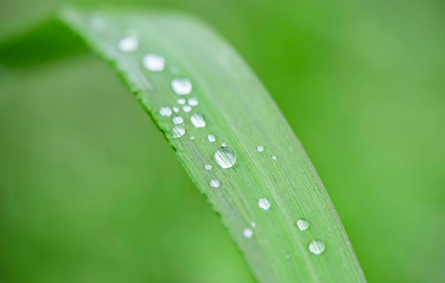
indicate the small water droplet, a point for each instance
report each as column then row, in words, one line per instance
column 128, row 44
column 174, row 70
column 224, row 144
column 192, row 138
column 247, row 233
column 264, row 203
column 260, row 148
column 182, row 86
column 178, row 131
column 211, row 138
column 317, row 247
column 198, row 120
column 175, row 109
column 186, row 108
column 154, row 63
column 302, row 224
column 178, row 120
column 214, row 183
column 181, row 101
column 165, row 111
column 274, row 157
column 225, row 157
column 193, row 101
column 253, row 224
column 208, row 167
column 288, row 256
column 98, row 24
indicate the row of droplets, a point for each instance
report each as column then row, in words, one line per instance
column 225, row 157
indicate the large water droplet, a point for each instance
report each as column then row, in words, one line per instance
column 178, row 120
column 186, row 108
column 214, row 183
column 264, row 203
column 208, row 167
column 302, row 224
column 153, row 62
column 128, row 44
column 317, row 247
column 211, row 138
column 225, row 157
column 260, row 148
column 178, row 131
column 247, row 233
column 165, row 111
column 193, row 101
column 198, row 120
column 181, row 86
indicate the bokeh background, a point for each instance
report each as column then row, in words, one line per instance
column 90, row 192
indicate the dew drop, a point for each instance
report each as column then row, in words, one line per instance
column 193, row 101
column 211, row 138
column 178, row 120
column 154, row 63
column 176, row 109
column 317, row 247
column 260, row 148
column 98, row 24
column 165, row 111
column 128, row 44
column 181, row 86
column 287, row 256
column 181, row 101
column 302, row 224
column 192, row 138
column 264, row 203
column 224, row 144
column 214, row 183
column 247, row 233
column 186, row 108
column 208, row 167
column 274, row 157
column 198, row 120
column 253, row 224
column 225, row 157
column 178, row 131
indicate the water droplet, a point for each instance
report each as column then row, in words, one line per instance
column 247, row 233
column 193, row 101
column 192, row 138
column 211, row 138
column 264, row 203
column 174, row 70
column 181, row 86
column 198, row 120
column 165, row 111
column 214, row 183
column 175, row 109
column 224, row 144
column 178, row 120
column 186, row 108
column 274, row 157
column 225, row 157
column 253, row 224
column 260, row 148
column 208, row 167
column 317, row 247
column 98, row 24
column 287, row 256
column 154, row 63
column 302, row 224
column 178, row 131
column 128, row 44
column 181, row 101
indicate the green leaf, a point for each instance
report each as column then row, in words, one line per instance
column 239, row 112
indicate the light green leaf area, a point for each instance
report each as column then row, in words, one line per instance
column 240, row 114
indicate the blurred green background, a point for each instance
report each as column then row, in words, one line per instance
column 90, row 191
